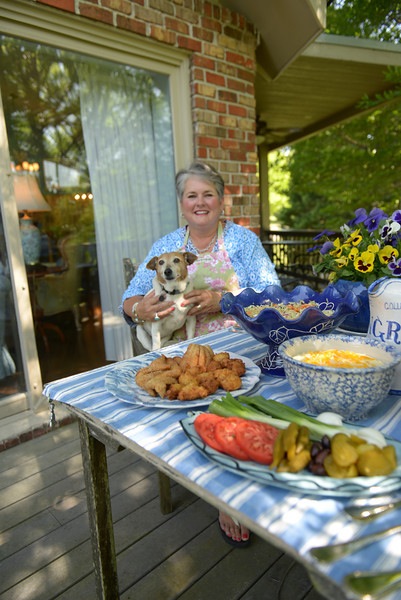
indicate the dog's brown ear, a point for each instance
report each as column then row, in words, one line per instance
column 190, row 257
column 152, row 263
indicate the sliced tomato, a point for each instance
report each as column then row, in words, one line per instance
column 225, row 434
column 257, row 440
column 204, row 425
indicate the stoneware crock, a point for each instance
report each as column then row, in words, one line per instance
column 385, row 318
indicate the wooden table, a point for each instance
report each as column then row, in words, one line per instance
column 291, row 520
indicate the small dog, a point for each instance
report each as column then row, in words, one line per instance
column 170, row 283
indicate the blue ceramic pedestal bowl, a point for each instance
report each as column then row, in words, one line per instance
column 272, row 328
column 359, row 322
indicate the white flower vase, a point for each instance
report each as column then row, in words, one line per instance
column 385, row 318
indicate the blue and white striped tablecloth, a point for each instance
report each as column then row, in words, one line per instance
column 292, row 521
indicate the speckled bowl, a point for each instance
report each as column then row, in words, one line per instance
column 272, row 328
column 353, row 392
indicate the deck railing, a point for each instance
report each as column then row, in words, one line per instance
column 288, row 249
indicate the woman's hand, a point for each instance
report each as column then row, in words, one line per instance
column 148, row 306
column 204, row 301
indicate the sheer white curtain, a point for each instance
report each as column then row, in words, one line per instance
column 126, row 122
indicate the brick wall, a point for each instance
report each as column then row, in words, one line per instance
column 223, row 65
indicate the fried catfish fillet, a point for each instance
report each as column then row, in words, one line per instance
column 197, row 374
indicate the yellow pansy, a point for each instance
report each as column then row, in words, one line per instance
column 338, row 249
column 364, row 263
column 354, row 238
column 387, row 253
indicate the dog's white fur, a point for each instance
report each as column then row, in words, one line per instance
column 171, row 282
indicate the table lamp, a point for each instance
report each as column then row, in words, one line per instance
column 29, row 199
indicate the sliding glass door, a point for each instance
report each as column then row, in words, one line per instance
column 91, row 158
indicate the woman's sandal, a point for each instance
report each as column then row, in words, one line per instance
column 229, row 540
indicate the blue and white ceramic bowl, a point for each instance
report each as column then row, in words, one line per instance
column 272, row 328
column 350, row 392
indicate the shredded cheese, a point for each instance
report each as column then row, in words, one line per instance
column 341, row 359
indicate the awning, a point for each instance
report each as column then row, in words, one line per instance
column 306, row 80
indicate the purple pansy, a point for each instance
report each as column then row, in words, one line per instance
column 395, row 267
column 396, row 216
column 323, row 233
column 327, row 247
column 360, row 216
column 375, row 216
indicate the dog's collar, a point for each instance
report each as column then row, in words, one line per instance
column 175, row 291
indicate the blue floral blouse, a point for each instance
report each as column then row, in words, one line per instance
column 249, row 259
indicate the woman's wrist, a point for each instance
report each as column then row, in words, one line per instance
column 134, row 314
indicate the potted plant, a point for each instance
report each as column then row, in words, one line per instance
column 368, row 248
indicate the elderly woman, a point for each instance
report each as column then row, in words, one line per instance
column 230, row 257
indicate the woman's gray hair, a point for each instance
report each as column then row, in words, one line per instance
column 202, row 170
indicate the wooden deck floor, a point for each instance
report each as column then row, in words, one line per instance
column 45, row 550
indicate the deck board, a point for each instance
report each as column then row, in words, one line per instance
column 45, row 549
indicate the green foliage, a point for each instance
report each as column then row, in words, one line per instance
column 353, row 164
column 374, row 19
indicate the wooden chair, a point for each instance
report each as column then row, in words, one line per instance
column 166, row 505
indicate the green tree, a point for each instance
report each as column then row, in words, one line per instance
column 375, row 19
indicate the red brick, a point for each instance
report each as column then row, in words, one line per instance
column 216, row 12
column 131, row 25
column 199, row 102
column 234, row 190
column 11, row 443
column 226, row 96
column 239, row 111
column 238, row 155
column 250, row 189
column 236, row 84
column 215, row 79
column 68, row 5
column 198, row 75
column 96, row 13
column 202, row 61
column 230, row 144
column 246, row 75
column 216, row 106
column 189, row 44
column 233, row 33
column 176, row 25
column 248, row 168
column 239, row 59
column 211, row 24
column 207, row 141
column 208, row 9
column 202, row 34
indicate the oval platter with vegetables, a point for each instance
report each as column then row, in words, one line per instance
column 275, row 444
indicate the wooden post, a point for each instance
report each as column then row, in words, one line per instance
column 99, row 511
column 166, row 504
